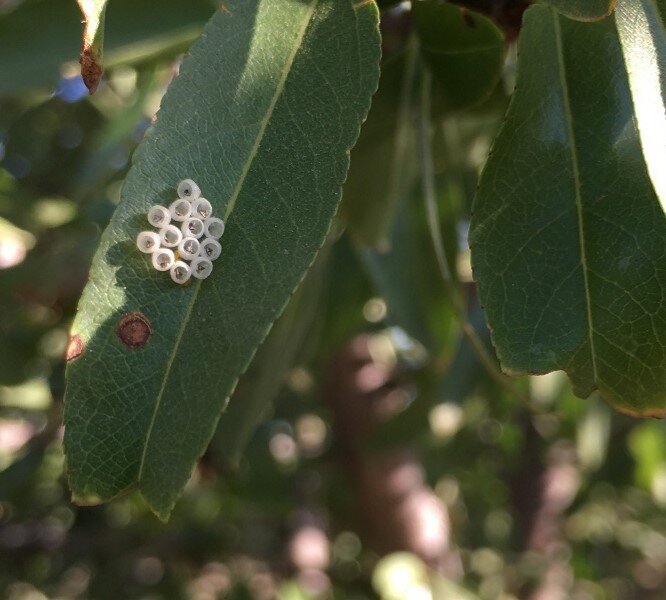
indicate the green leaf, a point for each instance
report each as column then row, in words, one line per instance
column 641, row 29
column 568, row 239
column 408, row 280
column 464, row 50
column 92, row 47
column 262, row 116
column 584, row 10
column 465, row 371
column 383, row 169
column 38, row 37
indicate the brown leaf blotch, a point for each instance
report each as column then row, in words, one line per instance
column 468, row 19
column 134, row 330
column 74, row 348
column 91, row 69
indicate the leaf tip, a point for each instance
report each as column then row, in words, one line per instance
column 91, row 68
column 162, row 512
column 162, row 516
column 93, row 42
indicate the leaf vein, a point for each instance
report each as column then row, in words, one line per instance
column 566, row 101
column 230, row 206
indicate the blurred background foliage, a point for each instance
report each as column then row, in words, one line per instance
column 385, row 461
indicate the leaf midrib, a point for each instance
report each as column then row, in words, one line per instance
column 577, row 185
column 286, row 69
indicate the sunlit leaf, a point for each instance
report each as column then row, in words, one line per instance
column 262, row 116
column 640, row 25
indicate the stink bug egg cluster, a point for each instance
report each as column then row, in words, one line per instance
column 186, row 242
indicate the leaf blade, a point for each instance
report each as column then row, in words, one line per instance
column 245, row 129
column 465, row 52
column 381, row 171
column 560, row 291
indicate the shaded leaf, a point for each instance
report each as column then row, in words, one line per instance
column 584, row 10
column 465, row 371
column 462, row 376
column 346, row 292
column 281, row 91
column 643, row 37
column 407, row 278
column 382, row 169
column 568, row 239
column 464, row 50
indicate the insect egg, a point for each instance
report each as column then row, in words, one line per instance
column 180, row 209
column 180, row 272
column 201, row 267
column 189, row 248
column 210, row 249
column 170, row 236
column 163, row 259
column 201, row 209
column 214, row 227
column 188, row 189
column 148, row 241
column 158, row 216
column 193, row 227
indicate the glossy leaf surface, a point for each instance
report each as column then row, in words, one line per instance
column 262, row 116
column 640, row 25
column 568, row 238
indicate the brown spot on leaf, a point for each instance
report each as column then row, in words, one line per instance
column 74, row 348
column 134, row 330
column 468, row 18
column 91, row 68
column 92, row 45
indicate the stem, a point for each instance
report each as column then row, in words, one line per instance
column 432, row 213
